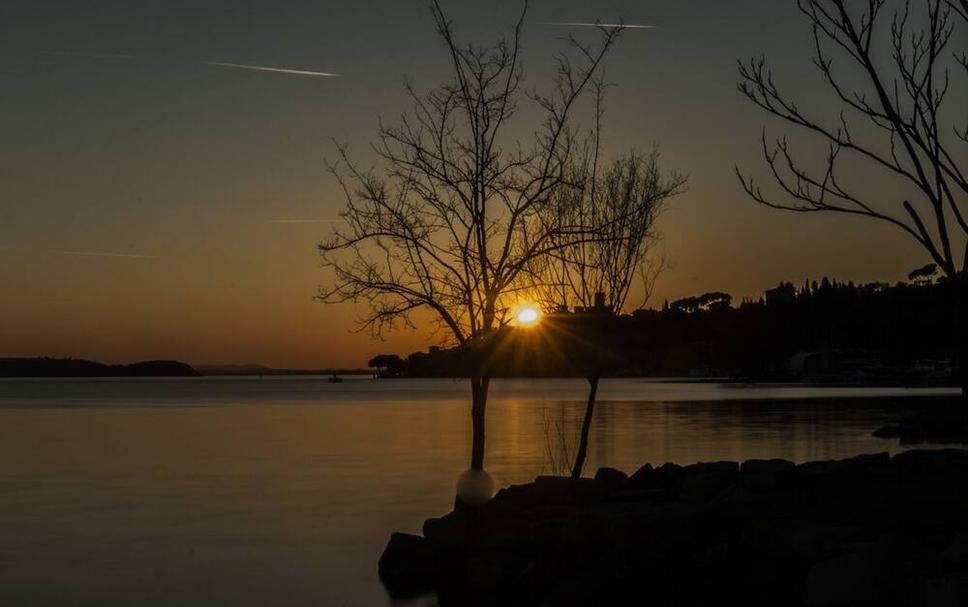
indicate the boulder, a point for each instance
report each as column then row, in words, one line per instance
column 936, row 458
column 704, row 481
column 722, row 467
column 408, row 566
column 612, row 478
column 867, row 461
column 857, row 578
column 871, row 530
column 765, row 473
column 447, row 532
column 565, row 490
column 484, row 573
column 816, row 468
column 644, row 477
column 737, row 502
column 950, row 590
column 769, row 466
column 665, row 476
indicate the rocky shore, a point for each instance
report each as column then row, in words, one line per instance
column 870, row 530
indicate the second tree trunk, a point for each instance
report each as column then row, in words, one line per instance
column 586, row 426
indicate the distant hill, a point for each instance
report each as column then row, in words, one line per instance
column 75, row 367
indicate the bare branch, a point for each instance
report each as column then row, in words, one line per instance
column 905, row 100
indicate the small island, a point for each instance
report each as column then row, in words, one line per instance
column 76, row 367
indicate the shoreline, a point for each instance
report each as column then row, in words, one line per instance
column 874, row 528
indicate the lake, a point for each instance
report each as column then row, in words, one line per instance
column 283, row 491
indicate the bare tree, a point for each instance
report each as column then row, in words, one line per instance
column 893, row 76
column 456, row 213
column 620, row 202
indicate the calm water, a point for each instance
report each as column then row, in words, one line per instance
column 284, row 491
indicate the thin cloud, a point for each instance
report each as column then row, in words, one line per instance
column 103, row 254
column 278, row 70
column 91, row 54
column 630, row 26
column 305, row 221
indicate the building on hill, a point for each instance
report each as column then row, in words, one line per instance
column 785, row 293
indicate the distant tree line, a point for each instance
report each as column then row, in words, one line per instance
column 825, row 329
column 895, row 71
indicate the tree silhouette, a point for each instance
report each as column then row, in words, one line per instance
column 619, row 201
column 924, row 274
column 455, row 215
column 892, row 77
column 706, row 301
column 386, row 364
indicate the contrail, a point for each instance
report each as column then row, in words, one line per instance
column 103, row 254
column 94, row 55
column 306, row 221
column 278, row 70
column 632, row 26
column 241, row 66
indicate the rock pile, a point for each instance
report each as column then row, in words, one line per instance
column 870, row 530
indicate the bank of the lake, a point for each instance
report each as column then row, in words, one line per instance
column 868, row 530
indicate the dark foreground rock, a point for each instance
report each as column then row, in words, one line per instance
column 871, row 530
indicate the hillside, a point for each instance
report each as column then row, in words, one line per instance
column 73, row 367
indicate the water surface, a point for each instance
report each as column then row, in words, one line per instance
column 228, row 491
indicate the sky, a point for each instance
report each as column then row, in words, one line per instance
column 148, row 177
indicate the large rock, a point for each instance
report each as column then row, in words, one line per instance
column 871, row 530
column 564, row 490
column 670, row 473
column 643, row 476
column 884, row 571
column 703, row 481
column 613, row 479
column 933, row 458
column 408, row 566
column 447, row 533
column 767, row 466
column 948, row 590
column 856, row 579
column 867, row 462
column 720, row 468
column 766, row 473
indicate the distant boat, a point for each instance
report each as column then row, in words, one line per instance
column 335, row 379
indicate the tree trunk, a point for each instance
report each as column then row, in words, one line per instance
column 586, row 425
column 479, row 385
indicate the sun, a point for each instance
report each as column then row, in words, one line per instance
column 528, row 316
